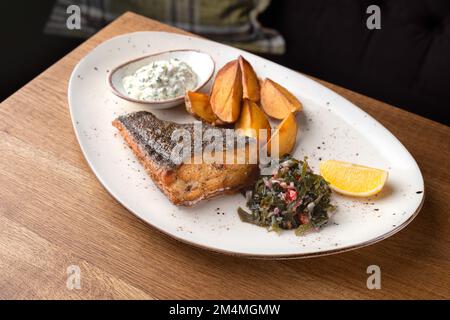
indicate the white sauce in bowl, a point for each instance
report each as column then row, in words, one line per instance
column 160, row 80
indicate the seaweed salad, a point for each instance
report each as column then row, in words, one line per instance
column 293, row 197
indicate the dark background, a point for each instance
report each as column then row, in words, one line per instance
column 406, row 63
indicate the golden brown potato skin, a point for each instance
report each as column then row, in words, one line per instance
column 251, row 120
column 286, row 134
column 250, row 82
column 226, row 93
column 198, row 105
column 277, row 101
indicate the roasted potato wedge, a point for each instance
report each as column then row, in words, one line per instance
column 284, row 136
column 198, row 105
column 226, row 93
column 250, row 83
column 251, row 120
column 277, row 101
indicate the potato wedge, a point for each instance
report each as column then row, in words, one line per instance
column 250, row 83
column 277, row 101
column 286, row 133
column 198, row 105
column 226, row 93
column 251, row 120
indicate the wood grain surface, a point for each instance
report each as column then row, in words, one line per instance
column 54, row 213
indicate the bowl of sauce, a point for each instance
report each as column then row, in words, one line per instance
column 160, row 80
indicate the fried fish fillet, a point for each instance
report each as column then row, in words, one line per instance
column 183, row 183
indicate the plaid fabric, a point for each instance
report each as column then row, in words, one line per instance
column 229, row 21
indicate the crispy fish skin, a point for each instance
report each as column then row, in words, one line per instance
column 186, row 183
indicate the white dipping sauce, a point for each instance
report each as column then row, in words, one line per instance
column 160, row 80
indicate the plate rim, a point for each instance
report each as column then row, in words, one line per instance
column 261, row 256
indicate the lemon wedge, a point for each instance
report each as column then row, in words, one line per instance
column 352, row 179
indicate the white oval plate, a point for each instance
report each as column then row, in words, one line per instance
column 330, row 127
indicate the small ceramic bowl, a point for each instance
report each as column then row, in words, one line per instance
column 201, row 63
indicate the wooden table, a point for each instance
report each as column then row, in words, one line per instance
column 54, row 213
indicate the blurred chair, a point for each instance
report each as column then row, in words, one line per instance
column 234, row 22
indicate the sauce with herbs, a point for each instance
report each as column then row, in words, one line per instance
column 160, row 80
